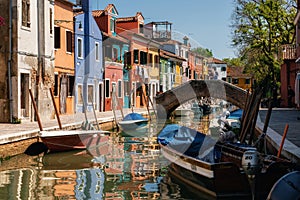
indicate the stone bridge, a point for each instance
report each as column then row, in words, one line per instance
column 168, row 101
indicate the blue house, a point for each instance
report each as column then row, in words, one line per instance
column 88, row 61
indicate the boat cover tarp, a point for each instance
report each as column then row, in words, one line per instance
column 186, row 141
column 134, row 116
column 236, row 114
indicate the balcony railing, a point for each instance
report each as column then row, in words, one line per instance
column 288, row 52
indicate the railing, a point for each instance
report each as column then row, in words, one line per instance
column 288, row 52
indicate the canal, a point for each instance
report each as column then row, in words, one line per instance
column 122, row 166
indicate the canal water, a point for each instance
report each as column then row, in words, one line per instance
column 122, row 166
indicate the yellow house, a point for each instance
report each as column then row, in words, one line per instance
column 236, row 76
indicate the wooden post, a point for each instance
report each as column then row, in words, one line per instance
column 55, row 108
column 36, row 110
column 95, row 115
column 282, row 140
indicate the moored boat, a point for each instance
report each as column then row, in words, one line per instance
column 219, row 169
column 66, row 140
column 133, row 121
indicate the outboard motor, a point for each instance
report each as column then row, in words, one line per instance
column 250, row 162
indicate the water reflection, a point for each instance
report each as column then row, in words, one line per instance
column 118, row 168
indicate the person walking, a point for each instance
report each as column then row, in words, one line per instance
column 291, row 95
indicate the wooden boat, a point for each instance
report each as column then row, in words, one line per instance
column 66, row 140
column 223, row 170
column 133, row 121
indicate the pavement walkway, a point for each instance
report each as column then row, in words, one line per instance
column 27, row 129
column 279, row 118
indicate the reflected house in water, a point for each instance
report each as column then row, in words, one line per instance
column 145, row 162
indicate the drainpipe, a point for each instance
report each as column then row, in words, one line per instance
column 9, row 63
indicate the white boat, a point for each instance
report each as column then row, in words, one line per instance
column 133, row 121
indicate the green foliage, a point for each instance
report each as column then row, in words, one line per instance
column 238, row 62
column 259, row 29
column 203, row 52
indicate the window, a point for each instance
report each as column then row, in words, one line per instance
column 55, row 92
column 69, row 41
column 50, row 20
column 223, row 69
column 151, row 59
column 119, row 88
column 26, row 13
column 112, row 25
column 90, row 94
column 141, row 28
column 71, row 81
column 229, row 79
column 80, row 95
column 247, row 81
column 143, row 58
column 136, row 56
column 115, row 54
column 235, row 81
column 80, row 48
column 97, row 51
column 56, row 37
column 107, row 91
column 127, row 58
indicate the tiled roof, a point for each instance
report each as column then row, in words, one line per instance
column 126, row 19
column 167, row 54
column 97, row 13
column 234, row 71
column 217, row 61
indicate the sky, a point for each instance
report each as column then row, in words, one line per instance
column 205, row 22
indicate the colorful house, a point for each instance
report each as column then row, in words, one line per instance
column 236, row 76
column 141, row 59
column 26, row 59
column 115, row 50
column 217, row 69
column 88, row 61
column 64, row 71
column 289, row 72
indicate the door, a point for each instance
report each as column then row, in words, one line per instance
column 63, row 94
column 24, row 95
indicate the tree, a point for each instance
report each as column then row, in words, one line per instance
column 203, row 52
column 238, row 62
column 260, row 27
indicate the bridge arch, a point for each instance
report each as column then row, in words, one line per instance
column 168, row 101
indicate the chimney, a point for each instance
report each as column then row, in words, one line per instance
column 185, row 40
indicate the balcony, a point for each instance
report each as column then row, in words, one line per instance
column 288, row 52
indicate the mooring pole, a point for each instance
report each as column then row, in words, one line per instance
column 36, row 110
column 56, row 110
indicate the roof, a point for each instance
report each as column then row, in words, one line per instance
column 99, row 13
column 217, row 61
column 117, row 37
column 167, row 54
column 130, row 19
column 235, row 71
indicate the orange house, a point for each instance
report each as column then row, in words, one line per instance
column 64, row 56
